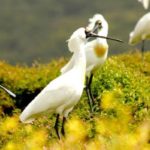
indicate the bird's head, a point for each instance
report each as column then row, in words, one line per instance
column 77, row 39
column 81, row 36
column 98, row 24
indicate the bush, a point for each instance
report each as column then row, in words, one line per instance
column 26, row 82
column 121, row 88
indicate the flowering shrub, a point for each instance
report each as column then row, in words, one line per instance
column 121, row 119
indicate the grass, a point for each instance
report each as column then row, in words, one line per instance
column 121, row 121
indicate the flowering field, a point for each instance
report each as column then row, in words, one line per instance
column 121, row 120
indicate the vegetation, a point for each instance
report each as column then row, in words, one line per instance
column 35, row 29
column 121, row 119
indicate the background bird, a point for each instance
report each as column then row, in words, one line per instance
column 61, row 94
column 96, row 52
column 141, row 32
column 8, row 91
column 145, row 3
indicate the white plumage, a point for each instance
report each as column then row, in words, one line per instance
column 60, row 95
column 141, row 30
column 145, row 3
column 95, row 50
column 96, row 53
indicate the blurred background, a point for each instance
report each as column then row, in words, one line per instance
column 38, row 29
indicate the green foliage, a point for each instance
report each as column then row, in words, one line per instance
column 121, row 88
column 128, row 75
column 26, row 81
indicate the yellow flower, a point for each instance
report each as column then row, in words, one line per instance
column 29, row 129
column 12, row 146
column 93, row 145
column 10, row 124
column 107, row 100
column 36, row 140
column 76, row 130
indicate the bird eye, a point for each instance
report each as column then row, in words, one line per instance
column 99, row 23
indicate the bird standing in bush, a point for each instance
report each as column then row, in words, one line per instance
column 61, row 94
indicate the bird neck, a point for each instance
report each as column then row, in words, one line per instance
column 80, row 62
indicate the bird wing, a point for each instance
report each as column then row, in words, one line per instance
column 47, row 100
column 50, row 98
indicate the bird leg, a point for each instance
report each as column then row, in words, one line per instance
column 89, row 85
column 63, row 124
column 57, row 126
column 88, row 92
column 142, row 49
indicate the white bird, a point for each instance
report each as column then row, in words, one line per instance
column 8, row 91
column 145, row 3
column 96, row 52
column 141, row 32
column 61, row 94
